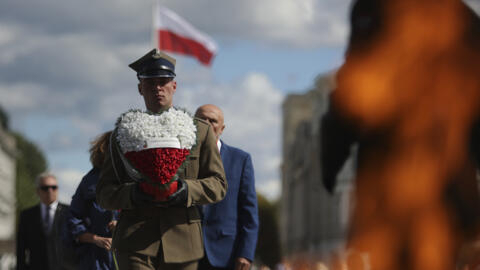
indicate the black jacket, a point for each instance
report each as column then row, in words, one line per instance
column 35, row 249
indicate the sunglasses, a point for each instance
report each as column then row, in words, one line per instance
column 45, row 188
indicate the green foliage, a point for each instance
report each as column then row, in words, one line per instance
column 30, row 162
column 3, row 119
column 268, row 246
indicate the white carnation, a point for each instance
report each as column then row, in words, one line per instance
column 135, row 128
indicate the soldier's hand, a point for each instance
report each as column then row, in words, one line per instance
column 140, row 198
column 179, row 198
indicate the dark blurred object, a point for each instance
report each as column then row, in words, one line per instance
column 408, row 94
column 3, row 119
column 366, row 23
column 268, row 245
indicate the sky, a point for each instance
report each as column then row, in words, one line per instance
column 64, row 75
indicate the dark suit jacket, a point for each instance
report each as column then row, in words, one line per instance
column 230, row 227
column 33, row 245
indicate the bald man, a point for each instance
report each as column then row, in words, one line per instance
column 230, row 227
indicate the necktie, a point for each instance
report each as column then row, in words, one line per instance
column 47, row 219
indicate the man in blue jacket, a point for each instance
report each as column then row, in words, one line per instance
column 230, row 227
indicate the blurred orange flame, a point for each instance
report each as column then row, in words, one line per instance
column 420, row 81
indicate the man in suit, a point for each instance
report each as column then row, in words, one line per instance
column 38, row 234
column 230, row 227
column 152, row 235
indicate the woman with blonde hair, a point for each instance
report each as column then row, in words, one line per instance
column 89, row 224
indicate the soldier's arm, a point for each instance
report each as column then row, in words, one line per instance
column 114, row 189
column 211, row 184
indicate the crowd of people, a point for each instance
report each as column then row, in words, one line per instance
column 113, row 223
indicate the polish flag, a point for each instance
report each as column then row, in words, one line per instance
column 173, row 33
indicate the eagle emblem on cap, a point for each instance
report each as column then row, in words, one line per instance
column 157, row 54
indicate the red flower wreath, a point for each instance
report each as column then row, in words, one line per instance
column 166, row 162
column 157, row 147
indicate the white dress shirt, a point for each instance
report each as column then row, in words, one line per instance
column 51, row 214
column 219, row 145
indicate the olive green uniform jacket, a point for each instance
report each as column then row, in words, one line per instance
column 175, row 230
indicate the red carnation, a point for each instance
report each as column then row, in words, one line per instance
column 159, row 165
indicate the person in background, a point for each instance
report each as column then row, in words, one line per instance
column 38, row 234
column 88, row 223
column 230, row 227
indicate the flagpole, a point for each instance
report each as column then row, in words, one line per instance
column 154, row 18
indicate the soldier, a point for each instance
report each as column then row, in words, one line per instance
column 150, row 235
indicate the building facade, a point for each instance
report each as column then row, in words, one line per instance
column 7, row 195
column 313, row 222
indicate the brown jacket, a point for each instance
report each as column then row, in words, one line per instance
column 176, row 230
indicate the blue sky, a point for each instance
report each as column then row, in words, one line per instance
column 289, row 69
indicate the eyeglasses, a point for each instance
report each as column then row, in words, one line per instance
column 45, row 188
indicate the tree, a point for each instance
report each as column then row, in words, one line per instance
column 3, row 119
column 268, row 245
column 30, row 162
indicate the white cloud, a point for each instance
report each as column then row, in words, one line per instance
column 68, row 180
column 295, row 23
column 305, row 23
column 252, row 110
column 270, row 189
column 7, row 35
column 21, row 96
column 298, row 23
column 61, row 61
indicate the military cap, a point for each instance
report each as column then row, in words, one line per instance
column 154, row 64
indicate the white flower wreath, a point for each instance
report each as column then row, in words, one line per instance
column 138, row 130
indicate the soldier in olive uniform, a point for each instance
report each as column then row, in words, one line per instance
column 150, row 235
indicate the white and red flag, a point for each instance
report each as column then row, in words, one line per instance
column 173, row 33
